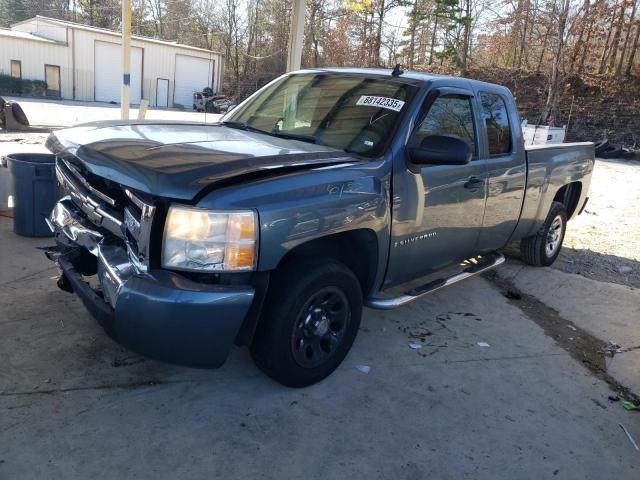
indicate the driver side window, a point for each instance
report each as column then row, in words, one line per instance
column 449, row 115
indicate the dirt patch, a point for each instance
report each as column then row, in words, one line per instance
column 580, row 344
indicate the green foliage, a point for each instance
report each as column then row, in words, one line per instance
column 17, row 86
column 11, row 11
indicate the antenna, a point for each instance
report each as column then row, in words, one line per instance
column 397, row 70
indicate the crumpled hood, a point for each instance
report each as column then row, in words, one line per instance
column 178, row 160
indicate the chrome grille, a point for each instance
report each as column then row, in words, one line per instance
column 86, row 200
column 125, row 214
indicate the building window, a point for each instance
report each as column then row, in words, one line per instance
column 16, row 69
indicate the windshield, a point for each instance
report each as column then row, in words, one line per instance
column 349, row 112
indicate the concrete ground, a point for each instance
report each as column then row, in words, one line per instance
column 532, row 404
column 76, row 405
column 68, row 112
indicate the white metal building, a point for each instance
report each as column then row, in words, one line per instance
column 84, row 63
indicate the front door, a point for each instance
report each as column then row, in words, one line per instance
column 52, row 78
column 437, row 209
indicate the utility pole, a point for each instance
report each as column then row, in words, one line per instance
column 296, row 35
column 126, row 59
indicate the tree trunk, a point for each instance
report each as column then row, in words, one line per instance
column 544, row 47
column 616, row 38
column 433, row 39
column 633, row 51
column 583, row 26
column 605, row 51
column 523, row 37
column 585, row 47
column 625, row 45
column 467, row 35
column 413, row 24
column 549, row 111
column 378, row 43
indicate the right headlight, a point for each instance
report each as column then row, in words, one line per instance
column 203, row 240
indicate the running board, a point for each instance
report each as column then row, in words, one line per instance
column 485, row 263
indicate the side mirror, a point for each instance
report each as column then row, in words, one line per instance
column 441, row 150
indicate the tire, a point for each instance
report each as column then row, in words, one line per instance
column 300, row 340
column 539, row 250
column 2, row 119
column 600, row 146
column 613, row 150
column 19, row 114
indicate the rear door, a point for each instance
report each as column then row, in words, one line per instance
column 437, row 209
column 503, row 154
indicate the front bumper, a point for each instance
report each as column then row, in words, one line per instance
column 156, row 313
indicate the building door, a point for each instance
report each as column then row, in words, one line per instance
column 162, row 92
column 52, row 77
column 192, row 75
column 108, row 73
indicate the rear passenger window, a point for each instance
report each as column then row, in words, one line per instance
column 449, row 115
column 494, row 111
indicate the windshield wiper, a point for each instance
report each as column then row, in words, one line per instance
column 242, row 126
column 299, row 136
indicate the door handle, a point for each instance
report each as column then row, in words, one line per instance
column 473, row 184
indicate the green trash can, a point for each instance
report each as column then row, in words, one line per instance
column 33, row 185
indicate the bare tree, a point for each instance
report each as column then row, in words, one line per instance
column 561, row 12
column 625, row 45
column 634, row 49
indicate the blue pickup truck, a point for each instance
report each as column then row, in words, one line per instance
column 326, row 191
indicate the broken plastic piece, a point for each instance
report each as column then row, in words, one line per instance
column 610, row 348
column 483, row 344
column 364, row 368
column 415, row 345
column 629, row 405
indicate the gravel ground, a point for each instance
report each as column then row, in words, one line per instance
column 604, row 242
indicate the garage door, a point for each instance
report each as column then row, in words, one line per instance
column 108, row 67
column 192, row 75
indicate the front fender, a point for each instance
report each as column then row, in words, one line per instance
column 299, row 207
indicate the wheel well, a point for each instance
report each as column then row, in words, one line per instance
column 569, row 195
column 357, row 249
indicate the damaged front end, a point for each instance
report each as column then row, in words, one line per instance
column 101, row 231
column 103, row 234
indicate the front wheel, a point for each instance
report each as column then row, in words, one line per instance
column 542, row 249
column 310, row 321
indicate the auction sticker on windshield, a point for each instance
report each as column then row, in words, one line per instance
column 381, row 102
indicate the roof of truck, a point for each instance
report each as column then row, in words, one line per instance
column 414, row 77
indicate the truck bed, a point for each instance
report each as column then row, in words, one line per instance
column 550, row 167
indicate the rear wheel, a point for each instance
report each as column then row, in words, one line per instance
column 309, row 323
column 542, row 249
